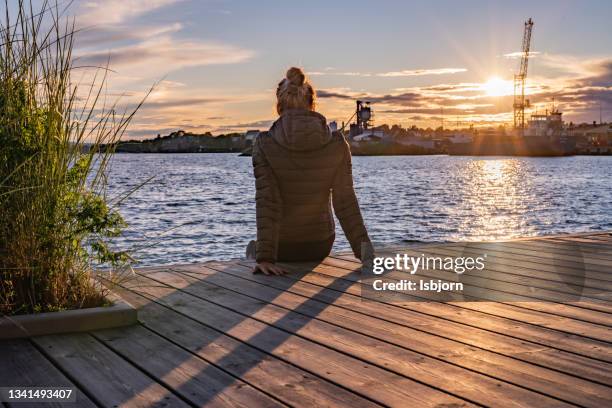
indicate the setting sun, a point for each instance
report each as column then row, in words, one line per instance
column 496, row 86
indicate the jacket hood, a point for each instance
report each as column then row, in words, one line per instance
column 301, row 130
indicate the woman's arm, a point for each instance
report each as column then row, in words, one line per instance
column 268, row 206
column 346, row 206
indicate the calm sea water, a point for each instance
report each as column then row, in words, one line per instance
column 201, row 207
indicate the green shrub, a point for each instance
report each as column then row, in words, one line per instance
column 55, row 220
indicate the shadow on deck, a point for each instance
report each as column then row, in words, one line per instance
column 214, row 334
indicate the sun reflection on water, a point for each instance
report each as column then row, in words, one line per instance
column 496, row 198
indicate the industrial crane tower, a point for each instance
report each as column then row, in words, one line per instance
column 520, row 103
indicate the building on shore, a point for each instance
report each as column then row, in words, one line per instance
column 593, row 139
column 185, row 142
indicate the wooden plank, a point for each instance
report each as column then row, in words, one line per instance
column 493, row 264
column 377, row 384
column 355, row 333
column 286, row 382
column 521, row 281
column 196, row 380
column 458, row 313
column 586, row 244
column 569, row 363
column 602, row 235
column 566, row 235
column 108, row 378
column 546, row 261
column 542, row 257
column 22, row 365
column 599, row 251
column 542, row 301
column 603, row 238
column 346, row 270
column 564, row 255
column 594, row 239
column 595, row 274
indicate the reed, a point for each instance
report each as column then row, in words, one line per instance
column 55, row 217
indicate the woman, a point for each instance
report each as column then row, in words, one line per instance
column 298, row 164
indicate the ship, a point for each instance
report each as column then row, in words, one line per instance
column 544, row 136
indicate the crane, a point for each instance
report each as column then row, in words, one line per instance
column 520, row 103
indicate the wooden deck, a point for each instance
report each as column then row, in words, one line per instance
column 214, row 334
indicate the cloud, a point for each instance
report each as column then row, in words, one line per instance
column 450, row 110
column 570, row 66
column 601, row 75
column 266, row 123
column 102, row 12
column 519, row 54
column 404, row 73
column 99, row 35
column 166, row 53
column 179, row 103
column 322, row 93
column 406, row 98
column 328, row 72
column 400, row 99
column 422, row 72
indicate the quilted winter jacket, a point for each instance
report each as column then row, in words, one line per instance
column 301, row 169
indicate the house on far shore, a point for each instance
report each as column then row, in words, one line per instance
column 593, row 139
column 249, row 137
column 237, row 140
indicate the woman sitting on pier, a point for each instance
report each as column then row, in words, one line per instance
column 298, row 164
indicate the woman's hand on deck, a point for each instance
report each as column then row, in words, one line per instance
column 268, row 268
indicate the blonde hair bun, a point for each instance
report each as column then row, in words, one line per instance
column 295, row 92
column 296, row 76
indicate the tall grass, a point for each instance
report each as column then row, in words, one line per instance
column 55, row 220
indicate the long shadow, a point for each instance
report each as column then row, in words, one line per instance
column 218, row 310
column 273, row 335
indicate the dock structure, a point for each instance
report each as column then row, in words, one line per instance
column 214, row 334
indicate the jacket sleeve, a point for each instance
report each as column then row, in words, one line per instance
column 346, row 206
column 268, row 205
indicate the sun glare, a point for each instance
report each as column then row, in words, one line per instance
column 496, row 86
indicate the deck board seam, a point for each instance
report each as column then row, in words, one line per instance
column 433, row 333
column 151, row 298
column 497, row 264
column 143, row 371
column 70, row 377
column 557, row 249
column 416, row 329
column 350, row 355
column 168, row 386
column 387, row 342
column 518, row 305
column 538, row 326
column 520, row 248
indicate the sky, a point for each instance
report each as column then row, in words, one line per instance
column 216, row 63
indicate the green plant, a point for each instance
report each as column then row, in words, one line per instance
column 56, row 143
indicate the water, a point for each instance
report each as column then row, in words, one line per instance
column 201, row 207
